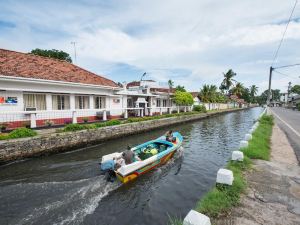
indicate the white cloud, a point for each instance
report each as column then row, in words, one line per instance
column 200, row 38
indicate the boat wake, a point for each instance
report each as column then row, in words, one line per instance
column 72, row 202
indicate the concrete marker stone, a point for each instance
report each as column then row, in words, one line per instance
column 237, row 156
column 224, row 176
column 196, row 218
column 243, row 144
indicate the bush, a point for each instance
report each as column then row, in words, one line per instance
column 298, row 106
column 199, row 108
column 73, row 127
column 22, row 132
column 85, row 119
column 113, row 122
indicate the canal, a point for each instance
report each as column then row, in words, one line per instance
column 68, row 188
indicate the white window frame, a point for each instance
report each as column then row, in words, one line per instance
column 61, row 105
column 99, row 102
column 35, row 103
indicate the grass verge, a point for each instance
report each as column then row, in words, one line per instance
column 18, row 133
column 218, row 201
column 222, row 198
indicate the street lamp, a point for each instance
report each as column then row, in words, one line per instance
column 144, row 74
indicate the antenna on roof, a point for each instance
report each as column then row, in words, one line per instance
column 74, row 45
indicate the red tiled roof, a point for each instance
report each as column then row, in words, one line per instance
column 195, row 94
column 27, row 65
column 134, row 84
column 164, row 90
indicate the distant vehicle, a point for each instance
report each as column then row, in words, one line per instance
column 146, row 157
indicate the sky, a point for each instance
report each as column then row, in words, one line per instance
column 191, row 42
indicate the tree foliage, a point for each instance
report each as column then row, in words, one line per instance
column 56, row 54
column 183, row 98
column 180, row 88
column 228, row 80
column 296, row 89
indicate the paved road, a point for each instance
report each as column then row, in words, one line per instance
column 289, row 121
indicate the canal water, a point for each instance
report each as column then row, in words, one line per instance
column 68, row 188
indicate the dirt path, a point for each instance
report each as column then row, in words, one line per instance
column 273, row 195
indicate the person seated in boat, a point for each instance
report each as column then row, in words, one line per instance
column 129, row 156
column 169, row 136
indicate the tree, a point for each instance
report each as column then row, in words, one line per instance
column 295, row 89
column 276, row 95
column 183, row 98
column 56, row 54
column 180, row 88
column 228, row 80
column 171, row 84
column 208, row 93
column 238, row 89
column 253, row 92
column 246, row 95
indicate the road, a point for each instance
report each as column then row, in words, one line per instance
column 289, row 121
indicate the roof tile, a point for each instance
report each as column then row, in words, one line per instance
column 27, row 65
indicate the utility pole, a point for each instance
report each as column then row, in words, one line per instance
column 270, row 80
column 74, row 45
column 289, row 88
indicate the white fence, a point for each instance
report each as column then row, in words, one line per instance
column 34, row 119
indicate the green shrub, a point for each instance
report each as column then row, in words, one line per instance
column 113, row 122
column 22, row 132
column 4, row 136
column 98, row 125
column 90, row 126
column 73, row 127
column 199, row 108
column 298, row 106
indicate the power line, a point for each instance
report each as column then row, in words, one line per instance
column 285, row 74
column 280, row 43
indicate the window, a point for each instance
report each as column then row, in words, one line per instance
column 60, row 102
column 157, row 102
column 164, row 103
column 82, row 102
column 37, row 101
column 99, row 102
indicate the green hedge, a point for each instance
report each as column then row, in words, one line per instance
column 199, row 108
column 77, row 127
column 19, row 133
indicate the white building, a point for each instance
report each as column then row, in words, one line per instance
column 38, row 91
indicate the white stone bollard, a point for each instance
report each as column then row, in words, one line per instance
column 224, row 176
column 196, row 218
column 243, row 144
column 237, row 156
column 248, row 137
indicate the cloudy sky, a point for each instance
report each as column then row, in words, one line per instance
column 189, row 41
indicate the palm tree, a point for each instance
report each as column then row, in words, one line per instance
column 253, row 92
column 228, row 80
column 238, row 89
column 171, row 84
column 208, row 93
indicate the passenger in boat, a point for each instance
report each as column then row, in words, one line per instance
column 169, row 136
column 129, row 156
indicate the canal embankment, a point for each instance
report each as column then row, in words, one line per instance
column 273, row 193
column 49, row 143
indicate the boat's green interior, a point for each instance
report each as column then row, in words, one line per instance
column 149, row 150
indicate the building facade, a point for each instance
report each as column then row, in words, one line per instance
column 37, row 91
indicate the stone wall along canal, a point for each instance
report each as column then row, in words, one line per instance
column 67, row 188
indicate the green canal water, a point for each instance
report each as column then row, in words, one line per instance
column 68, row 188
